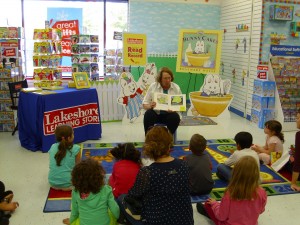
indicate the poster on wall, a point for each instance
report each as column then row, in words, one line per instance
column 68, row 21
column 134, row 49
column 199, row 51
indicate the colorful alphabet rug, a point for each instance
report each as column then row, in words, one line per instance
column 218, row 149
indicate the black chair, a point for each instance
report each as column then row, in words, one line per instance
column 14, row 90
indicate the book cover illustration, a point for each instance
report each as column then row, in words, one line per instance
column 199, row 51
column 170, row 102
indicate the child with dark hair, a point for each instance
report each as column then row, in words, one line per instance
column 161, row 191
column 92, row 201
column 243, row 201
column 243, row 144
column 199, row 164
column 274, row 141
column 125, row 168
column 6, row 204
column 63, row 156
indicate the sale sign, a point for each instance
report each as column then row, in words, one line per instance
column 77, row 116
column 262, row 72
column 68, row 28
column 9, row 52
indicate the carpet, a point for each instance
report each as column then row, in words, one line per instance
column 218, row 149
column 196, row 121
column 58, row 201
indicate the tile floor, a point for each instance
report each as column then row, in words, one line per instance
column 25, row 172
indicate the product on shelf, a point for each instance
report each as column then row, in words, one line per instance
column 286, row 72
column 85, row 56
column 263, row 102
column 113, row 64
column 10, row 71
column 47, row 58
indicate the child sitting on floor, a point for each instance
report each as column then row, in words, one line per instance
column 274, row 141
column 92, row 200
column 243, row 201
column 6, row 204
column 243, row 142
column 199, row 164
column 125, row 168
column 63, row 156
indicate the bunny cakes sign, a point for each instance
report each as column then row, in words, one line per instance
column 199, row 51
column 213, row 97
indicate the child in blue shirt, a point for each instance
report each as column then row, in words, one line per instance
column 63, row 156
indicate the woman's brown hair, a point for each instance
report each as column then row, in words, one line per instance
column 88, row 176
column 244, row 181
column 161, row 71
column 157, row 143
column 62, row 133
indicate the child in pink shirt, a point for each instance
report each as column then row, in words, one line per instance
column 274, row 141
column 244, row 200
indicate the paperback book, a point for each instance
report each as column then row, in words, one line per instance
column 170, row 102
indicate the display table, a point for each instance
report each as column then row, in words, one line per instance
column 38, row 116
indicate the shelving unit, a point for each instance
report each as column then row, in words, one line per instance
column 47, row 58
column 285, row 71
column 113, row 64
column 85, row 54
column 10, row 71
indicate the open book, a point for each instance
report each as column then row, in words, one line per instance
column 170, row 102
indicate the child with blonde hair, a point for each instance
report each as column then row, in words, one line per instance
column 92, row 200
column 243, row 201
column 63, row 156
column 274, row 141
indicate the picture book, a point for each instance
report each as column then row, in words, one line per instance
column 44, row 92
column 170, row 102
column 31, row 89
column 275, row 156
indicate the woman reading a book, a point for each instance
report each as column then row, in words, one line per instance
column 164, row 84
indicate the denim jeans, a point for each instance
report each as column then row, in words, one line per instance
column 224, row 172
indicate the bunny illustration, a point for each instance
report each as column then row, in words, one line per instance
column 131, row 96
column 225, row 86
column 211, row 85
column 188, row 49
column 199, row 49
column 148, row 77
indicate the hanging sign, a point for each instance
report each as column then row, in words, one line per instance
column 262, row 72
column 134, row 49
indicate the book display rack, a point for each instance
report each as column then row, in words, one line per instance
column 10, row 71
column 85, row 54
column 47, row 58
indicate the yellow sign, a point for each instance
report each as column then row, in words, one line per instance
column 134, row 49
column 199, row 51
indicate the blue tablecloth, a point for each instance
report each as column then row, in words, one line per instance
column 38, row 115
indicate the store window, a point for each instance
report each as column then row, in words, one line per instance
column 93, row 19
